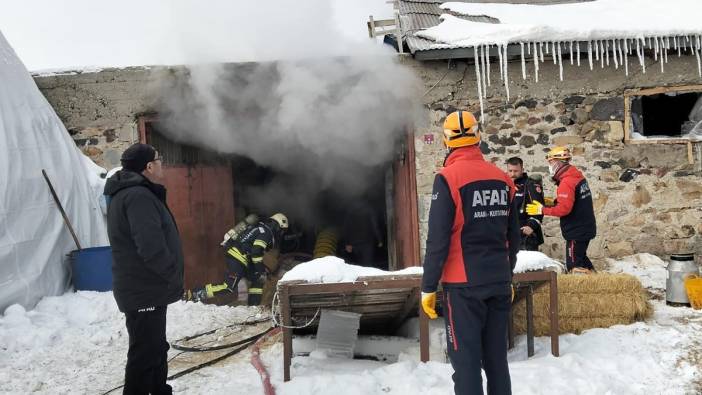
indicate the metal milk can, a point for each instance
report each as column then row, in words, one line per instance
column 679, row 266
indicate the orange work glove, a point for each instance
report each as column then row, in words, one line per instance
column 429, row 304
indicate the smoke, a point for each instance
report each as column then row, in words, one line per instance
column 323, row 111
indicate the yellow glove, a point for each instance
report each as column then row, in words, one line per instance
column 535, row 208
column 429, row 304
column 548, row 202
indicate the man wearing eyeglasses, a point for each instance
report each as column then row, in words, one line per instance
column 147, row 267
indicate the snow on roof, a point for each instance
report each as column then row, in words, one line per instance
column 597, row 20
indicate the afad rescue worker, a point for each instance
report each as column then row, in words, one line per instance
column 573, row 204
column 244, row 256
column 528, row 190
column 472, row 248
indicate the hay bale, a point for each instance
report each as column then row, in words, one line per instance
column 587, row 301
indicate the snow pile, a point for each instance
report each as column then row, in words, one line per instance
column 534, row 260
column 606, row 29
column 331, row 269
column 77, row 343
column 34, row 240
column 649, row 269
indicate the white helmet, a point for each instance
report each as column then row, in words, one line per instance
column 281, row 219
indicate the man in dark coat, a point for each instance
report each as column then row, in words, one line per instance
column 529, row 190
column 147, row 266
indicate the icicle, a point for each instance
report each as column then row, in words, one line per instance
column 570, row 48
column 589, row 53
column 666, row 45
column 546, row 48
column 626, row 57
column 560, row 62
column 662, row 49
column 504, row 57
column 606, row 50
column 478, row 80
column 483, row 68
column 536, row 62
column 602, row 54
column 622, row 53
column 528, row 49
column 521, row 45
column 614, row 55
column 541, row 51
column 597, row 50
column 487, row 60
column 655, row 49
column 639, row 51
column 697, row 54
column 553, row 51
column 577, row 49
column 499, row 58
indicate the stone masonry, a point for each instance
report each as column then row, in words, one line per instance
column 658, row 211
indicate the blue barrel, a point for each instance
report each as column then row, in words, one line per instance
column 92, row 268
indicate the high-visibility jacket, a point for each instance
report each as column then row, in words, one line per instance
column 574, row 205
column 248, row 248
column 474, row 232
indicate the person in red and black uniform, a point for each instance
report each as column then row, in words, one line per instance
column 528, row 190
column 573, row 204
column 472, row 248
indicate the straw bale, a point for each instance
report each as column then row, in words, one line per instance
column 587, row 301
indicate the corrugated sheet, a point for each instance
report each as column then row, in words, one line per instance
column 407, row 7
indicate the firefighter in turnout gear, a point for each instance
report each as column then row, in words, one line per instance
column 573, row 204
column 471, row 249
column 529, row 189
column 244, row 256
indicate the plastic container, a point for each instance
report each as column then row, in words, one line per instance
column 92, row 268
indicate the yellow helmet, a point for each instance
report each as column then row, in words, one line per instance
column 559, row 153
column 281, row 219
column 461, row 129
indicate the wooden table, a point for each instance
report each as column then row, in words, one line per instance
column 525, row 284
column 382, row 301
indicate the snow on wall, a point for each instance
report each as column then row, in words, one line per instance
column 33, row 238
column 608, row 31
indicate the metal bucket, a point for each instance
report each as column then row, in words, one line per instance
column 679, row 266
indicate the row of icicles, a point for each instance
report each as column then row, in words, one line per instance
column 597, row 50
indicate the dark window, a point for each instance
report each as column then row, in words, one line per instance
column 670, row 114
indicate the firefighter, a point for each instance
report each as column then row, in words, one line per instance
column 244, row 256
column 472, row 248
column 573, row 204
column 528, row 190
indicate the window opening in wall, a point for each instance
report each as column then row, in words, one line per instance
column 666, row 115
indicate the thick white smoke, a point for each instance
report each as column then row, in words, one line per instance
column 324, row 110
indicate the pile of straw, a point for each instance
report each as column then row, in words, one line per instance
column 587, row 301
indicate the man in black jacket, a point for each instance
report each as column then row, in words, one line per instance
column 147, row 266
column 529, row 190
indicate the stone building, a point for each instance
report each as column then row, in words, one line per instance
column 647, row 191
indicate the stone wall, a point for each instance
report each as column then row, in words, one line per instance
column 659, row 211
column 99, row 109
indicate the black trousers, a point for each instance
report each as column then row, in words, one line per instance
column 236, row 271
column 476, row 320
column 147, row 358
column 576, row 254
column 529, row 243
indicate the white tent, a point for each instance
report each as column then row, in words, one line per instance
column 34, row 241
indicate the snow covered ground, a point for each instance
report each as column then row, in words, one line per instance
column 76, row 343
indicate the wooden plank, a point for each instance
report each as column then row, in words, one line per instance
column 287, row 332
column 390, row 283
column 423, row 335
column 690, row 158
column 627, row 118
column 530, row 321
column 553, row 313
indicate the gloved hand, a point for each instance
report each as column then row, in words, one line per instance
column 429, row 304
column 535, row 208
column 548, row 202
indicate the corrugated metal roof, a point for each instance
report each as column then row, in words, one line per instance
column 407, row 7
